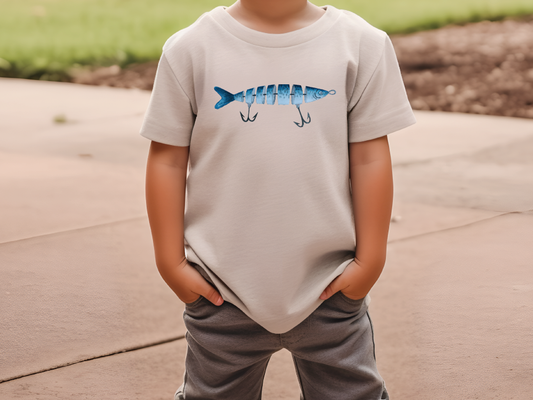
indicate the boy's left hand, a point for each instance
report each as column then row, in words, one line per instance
column 372, row 192
column 355, row 282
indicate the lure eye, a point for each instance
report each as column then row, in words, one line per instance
column 318, row 94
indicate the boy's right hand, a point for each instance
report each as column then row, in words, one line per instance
column 189, row 285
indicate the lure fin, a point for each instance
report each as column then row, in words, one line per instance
column 225, row 97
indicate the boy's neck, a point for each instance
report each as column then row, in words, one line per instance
column 275, row 16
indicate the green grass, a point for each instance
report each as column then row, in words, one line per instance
column 404, row 16
column 43, row 39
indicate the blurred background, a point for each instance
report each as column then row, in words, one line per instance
column 84, row 313
column 475, row 68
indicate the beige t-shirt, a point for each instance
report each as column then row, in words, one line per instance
column 268, row 118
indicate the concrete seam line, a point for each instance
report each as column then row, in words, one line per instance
column 113, row 117
column 464, row 153
column 75, row 229
column 97, row 121
column 127, row 350
column 426, row 160
column 459, row 226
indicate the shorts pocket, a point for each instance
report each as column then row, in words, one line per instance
column 195, row 302
column 349, row 300
column 340, row 306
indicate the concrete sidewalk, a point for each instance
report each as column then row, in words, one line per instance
column 86, row 316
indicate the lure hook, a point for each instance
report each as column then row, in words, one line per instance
column 301, row 116
column 248, row 119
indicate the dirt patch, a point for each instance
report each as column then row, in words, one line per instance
column 140, row 76
column 480, row 68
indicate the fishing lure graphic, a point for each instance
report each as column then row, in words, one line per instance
column 267, row 95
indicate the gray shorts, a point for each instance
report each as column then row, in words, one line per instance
column 333, row 352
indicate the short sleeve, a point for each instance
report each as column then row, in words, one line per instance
column 381, row 103
column 169, row 118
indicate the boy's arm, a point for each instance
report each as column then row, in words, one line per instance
column 372, row 193
column 166, row 175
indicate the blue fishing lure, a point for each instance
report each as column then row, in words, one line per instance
column 267, row 95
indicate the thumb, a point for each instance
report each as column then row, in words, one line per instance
column 211, row 294
column 331, row 289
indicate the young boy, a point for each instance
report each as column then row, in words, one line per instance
column 279, row 111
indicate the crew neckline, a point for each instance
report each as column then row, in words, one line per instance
column 264, row 39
